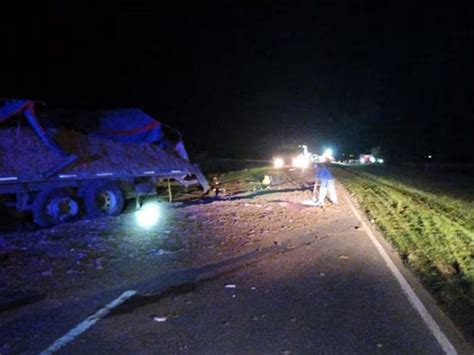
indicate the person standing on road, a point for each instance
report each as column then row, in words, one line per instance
column 326, row 185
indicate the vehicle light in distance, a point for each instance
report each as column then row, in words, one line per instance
column 278, row 163
column 328, row 154
column 300, row 161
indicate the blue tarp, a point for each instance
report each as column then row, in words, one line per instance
column 129, row 125
column 10, row 108
column 135, row 126
column 123, row 125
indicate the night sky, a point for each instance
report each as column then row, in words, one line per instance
column 238, row 80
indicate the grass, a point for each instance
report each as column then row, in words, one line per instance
column 431, row 225
column 242, row 180
column 249, row 175
column 235, row 181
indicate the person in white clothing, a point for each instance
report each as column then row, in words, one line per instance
column 326, row 185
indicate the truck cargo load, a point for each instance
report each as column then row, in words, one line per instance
column 70, row 153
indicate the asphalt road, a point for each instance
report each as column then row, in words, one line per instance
column 315, row 295
column 321, row 288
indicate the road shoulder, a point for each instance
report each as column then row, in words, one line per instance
column 447, row 327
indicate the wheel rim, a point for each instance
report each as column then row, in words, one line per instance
column 106, row 201
column 63, row 208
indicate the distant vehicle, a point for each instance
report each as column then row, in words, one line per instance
column 301, row 157
column 294, row 157
column 369, row 159
column 86, row 166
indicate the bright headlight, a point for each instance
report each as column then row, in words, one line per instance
column 148, row 215
column 301, row 162
column 278, row 163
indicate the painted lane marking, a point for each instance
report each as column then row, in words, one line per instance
column 435, row 329
column 104, row 174
column 9, row 178
column 87, row 323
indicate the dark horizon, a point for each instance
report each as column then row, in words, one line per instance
column 243, row 80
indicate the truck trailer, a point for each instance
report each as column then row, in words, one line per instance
column 62, row 165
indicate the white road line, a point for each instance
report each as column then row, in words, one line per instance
column 443, row 341
column 9, row 178
column 87, row 323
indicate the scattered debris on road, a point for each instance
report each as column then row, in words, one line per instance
column 106, row 251
column 159, row 319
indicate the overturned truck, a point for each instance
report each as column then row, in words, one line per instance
column 85, row 164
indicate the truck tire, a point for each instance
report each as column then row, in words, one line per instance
column 54, row 206
column 105, row 199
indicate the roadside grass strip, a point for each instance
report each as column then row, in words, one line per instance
column 434, row 235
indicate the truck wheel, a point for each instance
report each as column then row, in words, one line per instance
column 103, row 200
column 54, row 206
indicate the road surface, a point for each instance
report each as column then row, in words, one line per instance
column 320, row 286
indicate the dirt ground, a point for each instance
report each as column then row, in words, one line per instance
column 44, row 262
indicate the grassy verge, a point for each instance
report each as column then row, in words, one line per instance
column 432, row 229
column 243, row 180
column 231, row 182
